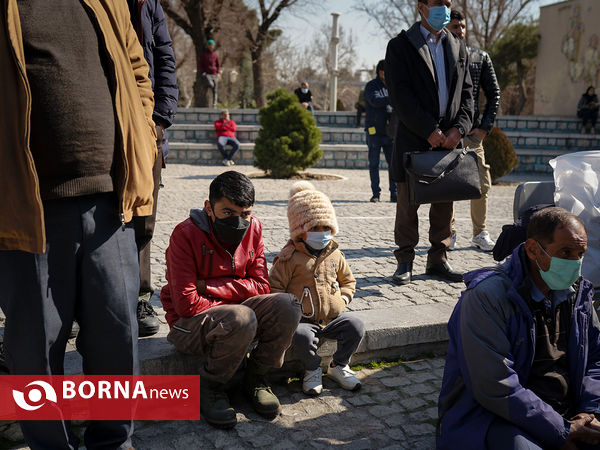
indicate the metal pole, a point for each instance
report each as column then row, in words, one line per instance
column 333, row 72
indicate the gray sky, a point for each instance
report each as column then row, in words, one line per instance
column 370, row 42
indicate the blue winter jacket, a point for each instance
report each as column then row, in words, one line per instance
column 490, row 353
column 148, row 19
column 376, row 102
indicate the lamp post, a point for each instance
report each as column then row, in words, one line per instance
column 333, row 71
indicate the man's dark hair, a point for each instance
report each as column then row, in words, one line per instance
column 456, row 15
column 380, row 66
column 234, row 186
column 543, row 223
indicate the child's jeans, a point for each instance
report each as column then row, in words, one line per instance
column 346, row 329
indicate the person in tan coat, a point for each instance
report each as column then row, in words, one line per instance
column 312, row 267
column 78, row 147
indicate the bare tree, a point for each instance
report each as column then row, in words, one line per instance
column 310, row 63
column 261, row 36
column 486, row 19
column 202, row 20
column 392, row 16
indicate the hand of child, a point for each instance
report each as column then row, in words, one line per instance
column 201, row 286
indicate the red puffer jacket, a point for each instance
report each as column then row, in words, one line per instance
column 225, row 128
column 195, row 254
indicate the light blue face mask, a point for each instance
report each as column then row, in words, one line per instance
column 439, row 17
column 318, row 239
column 562, row 272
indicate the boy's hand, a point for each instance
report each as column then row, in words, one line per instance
column 201, row 286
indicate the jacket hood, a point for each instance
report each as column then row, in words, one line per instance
column 512, row 268
column 200, row 219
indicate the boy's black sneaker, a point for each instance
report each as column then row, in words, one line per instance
column 393, row 198
column 374, row 199
column 147, row 318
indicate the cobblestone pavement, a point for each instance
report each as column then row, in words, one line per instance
column 395, row 409
column 366, row 233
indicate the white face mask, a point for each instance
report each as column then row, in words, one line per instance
column 318, row 239
column 304, row 90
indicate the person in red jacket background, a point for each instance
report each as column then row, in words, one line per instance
column 209, row 66
column 225, row 128
column 217, row 299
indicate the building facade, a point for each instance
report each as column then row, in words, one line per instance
column 568, row 56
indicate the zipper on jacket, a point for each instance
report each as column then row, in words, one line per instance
column 122, row 217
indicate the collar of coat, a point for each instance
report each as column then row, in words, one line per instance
column 288, row 250
column 451, row 50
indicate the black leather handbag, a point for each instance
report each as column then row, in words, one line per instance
column 442, row 176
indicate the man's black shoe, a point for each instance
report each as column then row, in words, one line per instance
column 393, row 198
column 403, row 273
column 444, row 270
column 374, row 199
column 146, row 316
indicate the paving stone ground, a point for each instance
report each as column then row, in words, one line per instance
column 396, row 407
column 366, row 230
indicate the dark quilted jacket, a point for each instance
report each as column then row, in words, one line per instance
column 148, row 19
column 483, row 76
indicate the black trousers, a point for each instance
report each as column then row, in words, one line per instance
column 144, row 230
column 90, row 273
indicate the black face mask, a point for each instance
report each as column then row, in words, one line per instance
column 231, row 230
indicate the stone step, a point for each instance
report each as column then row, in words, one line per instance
column 344, row 156
column 250, row 117
column 249, row 133
column 347, row 119
column 350, row 156
column 205, row 133
column 402, row 331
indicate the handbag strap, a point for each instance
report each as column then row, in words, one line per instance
column 432, row 179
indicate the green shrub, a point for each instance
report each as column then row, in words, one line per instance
column 499, row 153
column 288, row 140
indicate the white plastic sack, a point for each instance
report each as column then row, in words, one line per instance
column 576, row 180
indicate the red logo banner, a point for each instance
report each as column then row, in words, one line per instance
column 100, row 397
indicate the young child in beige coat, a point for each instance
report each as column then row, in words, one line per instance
column 311, row 267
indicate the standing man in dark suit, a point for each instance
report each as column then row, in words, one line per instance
column 427, row 75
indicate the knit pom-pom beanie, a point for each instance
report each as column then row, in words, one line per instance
column 309, row 208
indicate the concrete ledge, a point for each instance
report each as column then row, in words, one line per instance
column 403, row 331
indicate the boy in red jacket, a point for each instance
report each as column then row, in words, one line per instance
column 225, row 128
column 217, row 299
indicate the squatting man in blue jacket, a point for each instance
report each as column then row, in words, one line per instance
column 523, row 363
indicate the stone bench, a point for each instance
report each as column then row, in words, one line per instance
column 402, row 331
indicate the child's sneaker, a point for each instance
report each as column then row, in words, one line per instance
column 344, row 376
column 312, row 384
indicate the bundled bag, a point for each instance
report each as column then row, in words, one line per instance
column 442, row 176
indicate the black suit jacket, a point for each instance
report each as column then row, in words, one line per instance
column 412, row 83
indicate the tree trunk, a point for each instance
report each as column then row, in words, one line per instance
column 200, row 87
column 257, row 75
column 521, row 85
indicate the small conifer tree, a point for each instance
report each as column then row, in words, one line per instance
column 499, row 153
column 288, row 140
